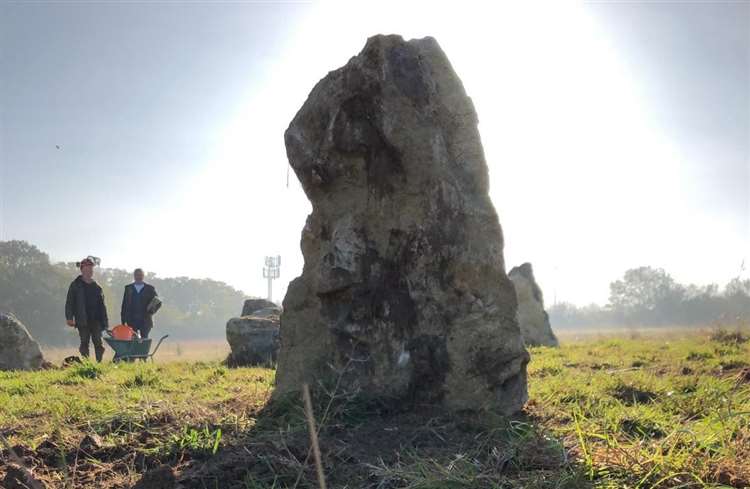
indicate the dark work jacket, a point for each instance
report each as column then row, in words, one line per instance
column 75, row 304
column 128, row 312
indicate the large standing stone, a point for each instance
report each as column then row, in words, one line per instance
column 404, row 288
column 532, row 317
column 18, row 350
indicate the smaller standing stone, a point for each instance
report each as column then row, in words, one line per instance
column 532, row 318
column 18, row 350
column 254, row 339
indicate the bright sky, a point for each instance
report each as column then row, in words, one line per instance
column 617, row 134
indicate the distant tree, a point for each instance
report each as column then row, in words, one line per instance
column 30, row 288
column 566, row 315
column 646, row 295
column 563, row 314
column 738, row 288
column 701, row 304
column 737, row 298
column 650, row 296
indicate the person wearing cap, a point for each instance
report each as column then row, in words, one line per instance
column 135, row 304
column 85, row 309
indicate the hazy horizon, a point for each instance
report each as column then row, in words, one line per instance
column 616, row 134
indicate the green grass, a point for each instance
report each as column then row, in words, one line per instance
column 105, row 399
column 611, row 413
column 643, row 413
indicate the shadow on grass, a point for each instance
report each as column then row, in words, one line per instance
column 368, row 443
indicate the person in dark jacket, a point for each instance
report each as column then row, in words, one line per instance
column 85, row 309
column 135, row 301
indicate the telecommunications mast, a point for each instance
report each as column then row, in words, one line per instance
column 272, row 271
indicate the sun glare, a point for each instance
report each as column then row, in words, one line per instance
column 573, row 151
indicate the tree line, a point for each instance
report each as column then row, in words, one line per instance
column 33, row 288
column 647, row 296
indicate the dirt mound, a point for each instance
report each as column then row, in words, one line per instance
column 161, row 477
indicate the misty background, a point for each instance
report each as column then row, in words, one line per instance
column 617, row 137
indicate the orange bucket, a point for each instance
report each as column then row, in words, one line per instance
column 123, row 332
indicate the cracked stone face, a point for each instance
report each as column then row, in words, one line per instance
column 404, row 291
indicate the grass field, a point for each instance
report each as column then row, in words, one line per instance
column 617, row 413
column 170, row 351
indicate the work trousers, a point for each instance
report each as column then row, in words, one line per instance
column 91, row 332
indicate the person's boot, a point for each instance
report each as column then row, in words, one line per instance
column 99, row 354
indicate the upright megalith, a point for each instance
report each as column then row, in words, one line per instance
column 404, row 292
column 532, row 317
column 18, row 350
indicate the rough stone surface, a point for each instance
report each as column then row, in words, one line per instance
column 252, row 305
column 18, row 350
column 532, row 317
column 404, row 291
column 253, row 340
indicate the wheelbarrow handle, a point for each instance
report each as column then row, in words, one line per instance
column 157, row 345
